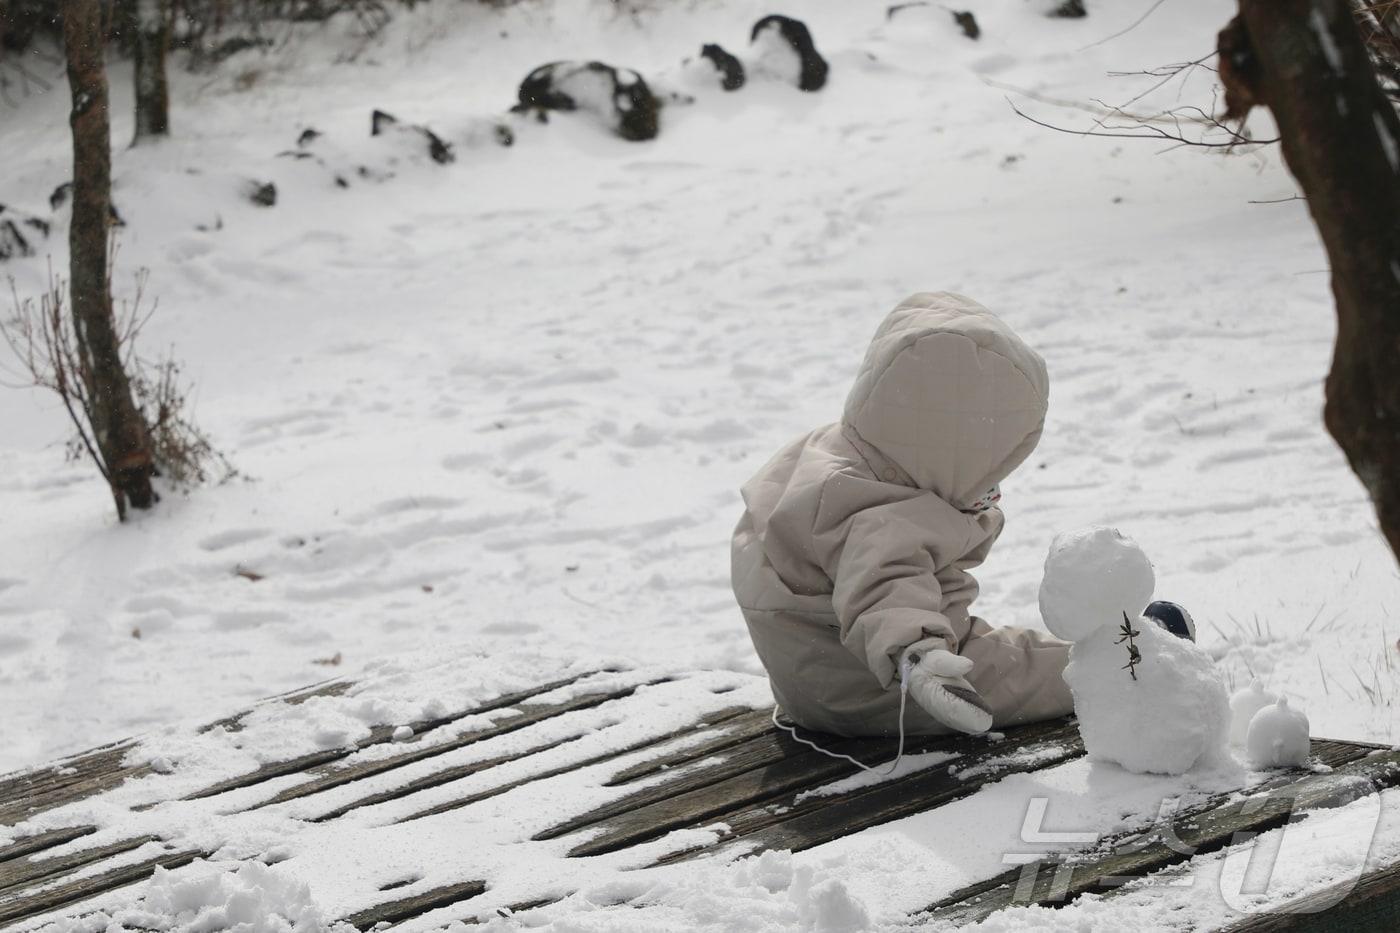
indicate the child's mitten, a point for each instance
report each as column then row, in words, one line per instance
column 937, row 681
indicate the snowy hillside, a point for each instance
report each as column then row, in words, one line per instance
column 506, row 403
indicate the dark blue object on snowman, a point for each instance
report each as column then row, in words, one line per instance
column 1173, row 618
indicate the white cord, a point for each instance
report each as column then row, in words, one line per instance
column 903, row 697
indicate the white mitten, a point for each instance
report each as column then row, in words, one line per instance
column 937, row 682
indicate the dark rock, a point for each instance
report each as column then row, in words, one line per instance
column 19, row 232
column 892, row 10
column 307, row 137
column 630, row 109
column 814, row 68
column 261, row 194
column 729, row 67
column 382, row 123
column 1070, row 9
column 968, row 22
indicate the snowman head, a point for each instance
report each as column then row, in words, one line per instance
column 1092, row 577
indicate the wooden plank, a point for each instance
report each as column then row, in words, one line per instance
column 794, row 774
column 25, row 794
column 1327, row 752
column 29, row 793
column 38, row 842
column 457, row 772
column 406, row 908
column 751, row 725
column 1059, row 881
column 327, row 778
column 758, row 752
column 35, row 901
column 378, row 735
column 28, row 871
column 489, row 792
column 785, row 823
column 325, row 688
column 1371, row 903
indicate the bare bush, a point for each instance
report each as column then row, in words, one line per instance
column 41, row 337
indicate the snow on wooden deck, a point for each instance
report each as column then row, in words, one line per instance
column 476, row 789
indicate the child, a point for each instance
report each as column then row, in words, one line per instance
column 851, row 561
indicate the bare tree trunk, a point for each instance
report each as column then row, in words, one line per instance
column 117, row 426
column 152, row 92
column 1305, row 61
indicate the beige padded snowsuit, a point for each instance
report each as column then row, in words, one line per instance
column 853, row 547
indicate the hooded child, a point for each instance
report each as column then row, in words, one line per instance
column 851, row 562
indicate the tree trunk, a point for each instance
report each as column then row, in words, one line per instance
column 152, row 94
column 117, row 426
column 1305, row 61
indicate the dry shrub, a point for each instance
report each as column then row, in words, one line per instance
column 41, row 337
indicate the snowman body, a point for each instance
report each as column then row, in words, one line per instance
column 1152, row 702
column 1169, row 715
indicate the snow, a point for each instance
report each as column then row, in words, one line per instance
column 202, row 898
column 1093, row 577
column 770, row 55
column 1244, row 703
column 1278, row 737
column 497, row 412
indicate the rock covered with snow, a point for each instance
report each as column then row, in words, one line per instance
column 1244, row 704
column 1092, row 577
column 619, row 97
column 783, row 48
column 1278, row 737
column 1167, row 715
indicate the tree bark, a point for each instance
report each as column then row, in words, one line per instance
column 117, row 426
column 1305, row 61
column 152, row 92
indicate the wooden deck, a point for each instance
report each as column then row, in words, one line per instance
column 728, row 767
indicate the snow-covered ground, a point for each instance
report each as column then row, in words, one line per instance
column 505, row 404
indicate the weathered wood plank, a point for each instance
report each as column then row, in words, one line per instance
column 406, row 908
column 497, row 790
column 785, row 823
column 38, row 842
column 792, row 775
column 457, row 772
column 378, row 735
column 35, row 901
column 1371, row 903
column 1327, row 752
column 30, row 870
column 751, row 725
column 336, row 776
column 326, row 688
column 1202, row 831
column 758, row 752
column 27, row 793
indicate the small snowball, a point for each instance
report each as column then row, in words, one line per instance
column 402, row 734
column 1092, row 577
column 1278, row 737
column 162, row 765
column 1243, row 705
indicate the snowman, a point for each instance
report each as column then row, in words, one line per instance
column 1146, row 697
